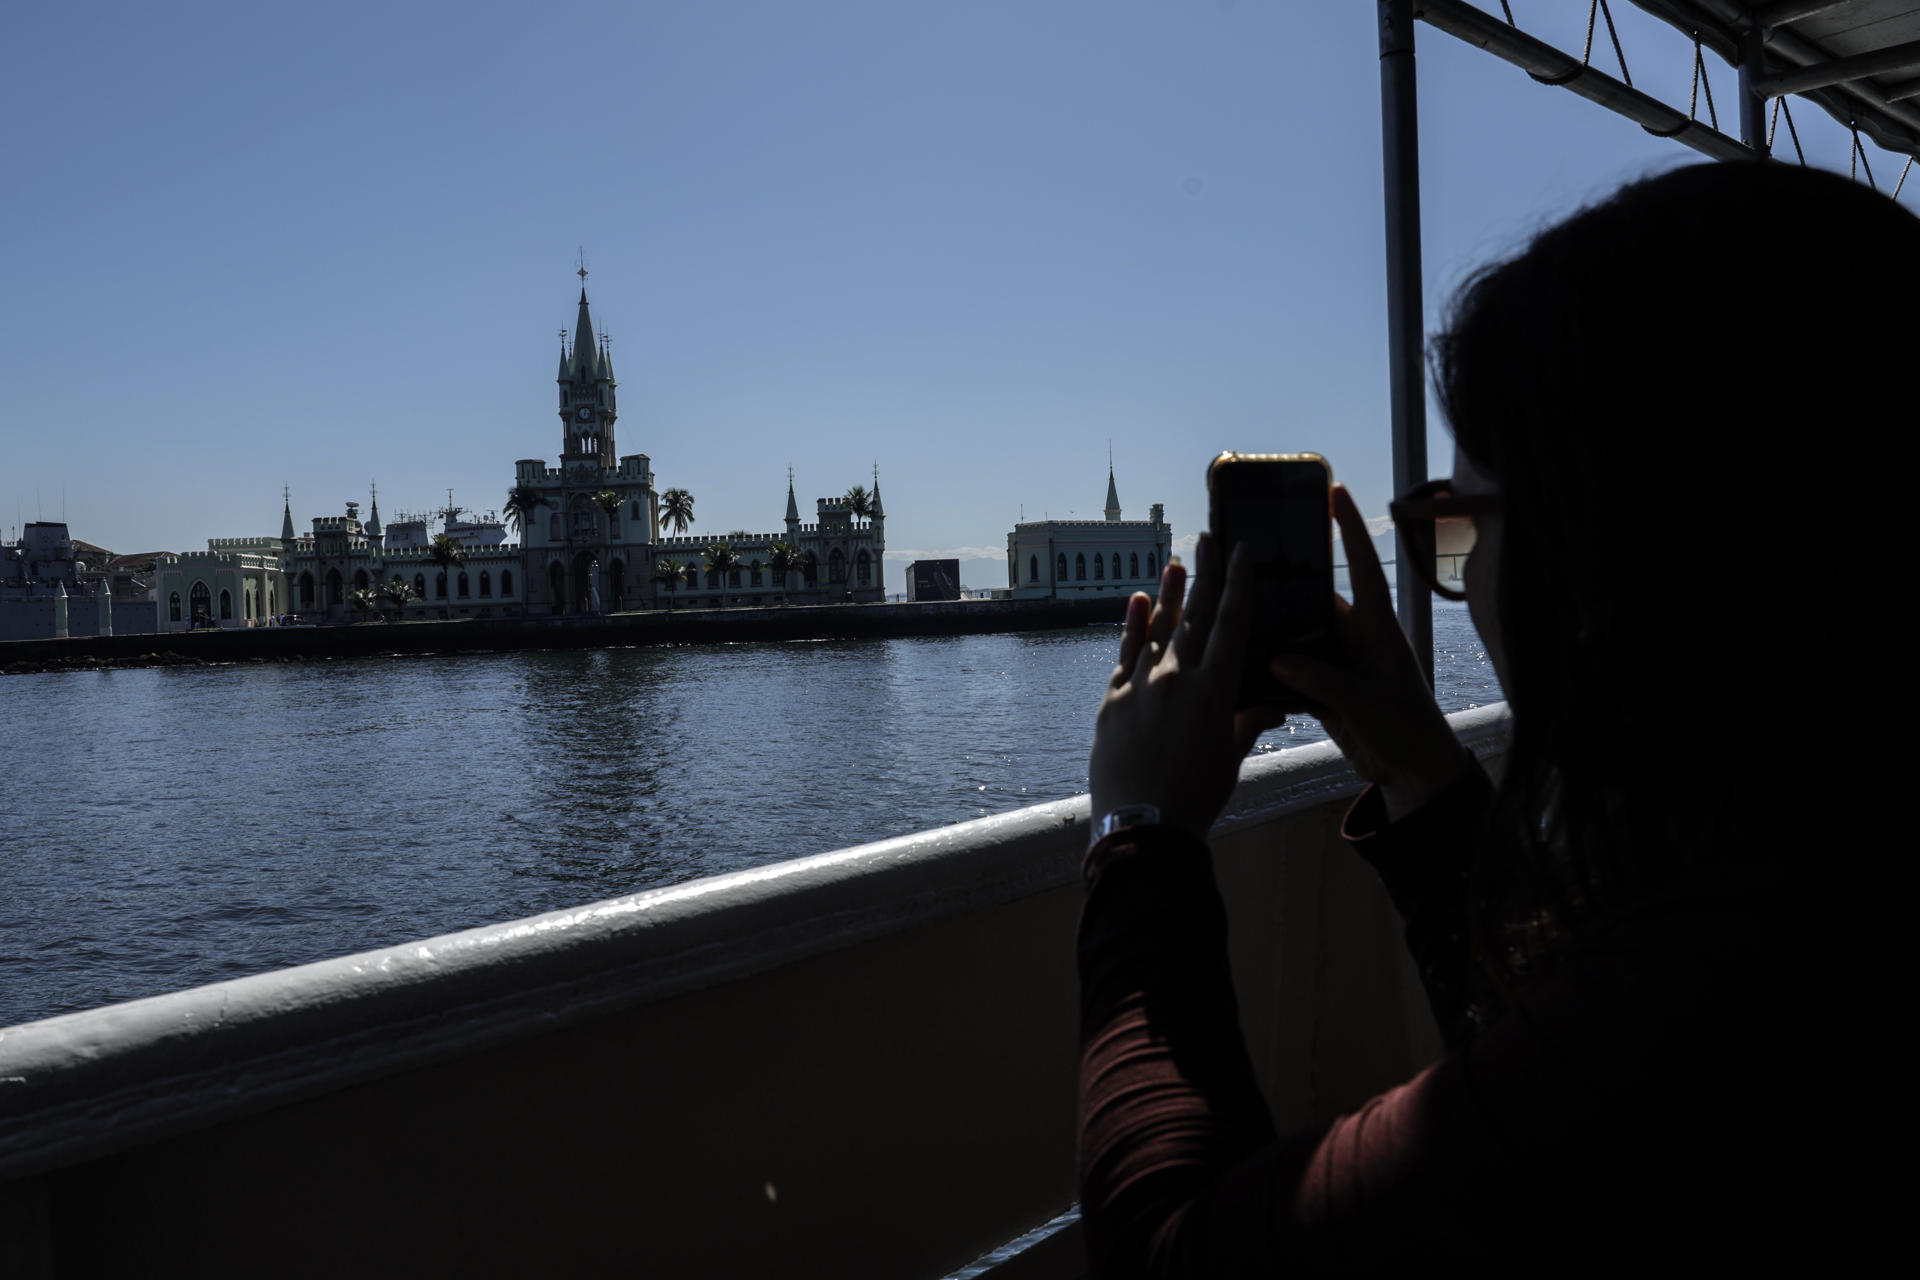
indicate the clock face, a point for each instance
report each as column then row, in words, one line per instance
column 584, row 414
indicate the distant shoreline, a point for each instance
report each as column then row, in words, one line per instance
column 477, row 635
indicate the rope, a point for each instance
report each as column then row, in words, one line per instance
column 1903, row 177
column 1618, row 52
column 1860, row 155
column 1700, row 76
column 1508, row 10
column 1781, row 108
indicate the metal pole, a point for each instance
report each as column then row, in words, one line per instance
column 1406, row 330
column 1753, row 105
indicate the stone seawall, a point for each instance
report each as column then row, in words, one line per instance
column 653, row 626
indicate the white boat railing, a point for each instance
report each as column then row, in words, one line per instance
column 860, row 1063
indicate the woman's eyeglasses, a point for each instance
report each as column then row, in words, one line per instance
column 1437, row 530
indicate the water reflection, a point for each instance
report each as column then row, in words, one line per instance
column 191, row 824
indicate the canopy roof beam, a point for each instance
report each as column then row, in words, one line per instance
column 1554, row 67
column 1782, row 12
column 1891, row 61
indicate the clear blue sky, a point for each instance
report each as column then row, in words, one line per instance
column 251, row 245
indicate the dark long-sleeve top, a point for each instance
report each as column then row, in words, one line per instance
column 1611, row 1107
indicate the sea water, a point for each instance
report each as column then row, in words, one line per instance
column 173, row 826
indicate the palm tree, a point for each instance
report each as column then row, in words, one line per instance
column 667, row 574
column 676, row 509
column 860, row 502
column 398, row 591
column 522, row 501
column 723, row 560
column 786, row 559
column 609, row 503
column 362, row 598
column 449, row 555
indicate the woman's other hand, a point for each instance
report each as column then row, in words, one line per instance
column 1375, row 702
column 1167, row 734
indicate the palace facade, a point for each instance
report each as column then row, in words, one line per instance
column 590, row 541
column 1069, row 558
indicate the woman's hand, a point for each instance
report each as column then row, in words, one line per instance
column 1375, row 702
column 1167, row 734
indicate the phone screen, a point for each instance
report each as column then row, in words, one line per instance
column 1277, row 509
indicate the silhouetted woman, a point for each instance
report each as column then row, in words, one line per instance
column 1683, row 421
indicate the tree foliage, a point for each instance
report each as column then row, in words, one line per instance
column 676, row 509
column 522, row 501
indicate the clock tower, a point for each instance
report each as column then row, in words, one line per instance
column 587, row 406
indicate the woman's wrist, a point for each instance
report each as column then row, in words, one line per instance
column 1124, row 811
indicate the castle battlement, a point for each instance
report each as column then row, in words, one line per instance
column 245, row 560
column 1091, row 524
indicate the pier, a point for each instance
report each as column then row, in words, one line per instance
column 489, row 635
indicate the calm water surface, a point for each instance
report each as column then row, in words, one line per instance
column 176, row 826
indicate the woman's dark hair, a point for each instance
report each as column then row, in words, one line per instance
column 1696, row 400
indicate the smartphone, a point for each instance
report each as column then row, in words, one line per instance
column 1279, row 506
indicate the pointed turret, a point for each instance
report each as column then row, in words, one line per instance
column 286, row 521
column 793, row 506
column 606, row 359
column 586, row 351
column 565, row 374
column 372, row 527
column 1113, row 496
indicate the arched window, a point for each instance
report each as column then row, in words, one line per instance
column 733, row 577
column 200, row 603
column 359, row 579
column 713, row 579
column 636, row 508
column 1133, row 564
column 506, row 582
column 246, row 604
column 460, row 585
column 306, row 591
column 1099, row 567
column 555, row 530
column 226, row 605
column 1033, row 569
column 863, row 569
column 486, row 584
column 557, row 586
column 753, row 573
column 173, row 607
column 440, row 585
column 334, row 595
column 1080, row 568
column 1116, row 564
column 419, row 586
column 693, row 574
column 836, row 566
column 273, row 600
column 1060, row 568
column 1153, row 570
column 810, row 571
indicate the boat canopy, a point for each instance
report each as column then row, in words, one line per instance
column 1857, row 60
